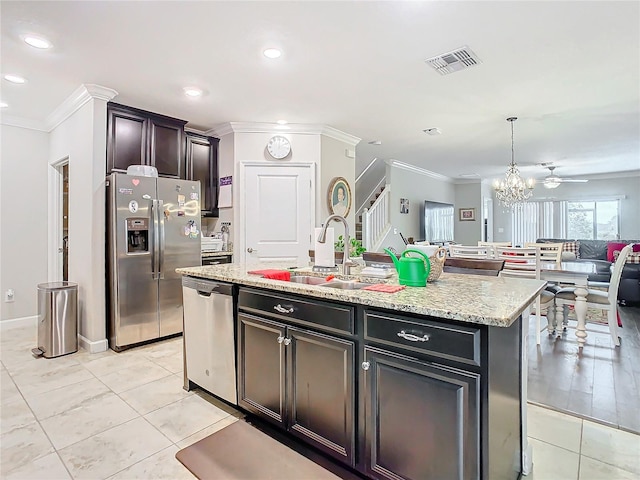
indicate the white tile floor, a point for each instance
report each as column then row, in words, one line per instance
column 124, row 416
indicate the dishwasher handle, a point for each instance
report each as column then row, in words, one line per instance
column 205, row 288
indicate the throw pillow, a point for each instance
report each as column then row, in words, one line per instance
column 612, row 247
column 633, row 257
column 568, row 256
column 573, row 247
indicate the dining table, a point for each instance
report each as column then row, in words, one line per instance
column 570, row 273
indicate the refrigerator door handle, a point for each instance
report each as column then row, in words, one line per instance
column 160, row 216
column 155, row 260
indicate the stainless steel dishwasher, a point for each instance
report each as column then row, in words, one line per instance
column 208, row 336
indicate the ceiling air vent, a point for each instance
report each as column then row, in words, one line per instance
column 454, row 61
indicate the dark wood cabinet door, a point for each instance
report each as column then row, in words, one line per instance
column 421, row 419
column 202, row 165
column 166, row 147
column 321, row 397
column 126, row 139
column 261, row 367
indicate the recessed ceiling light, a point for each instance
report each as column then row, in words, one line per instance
column 37, row 42
column 192, row 92
column 272, row 53
column 282, row 122
column 375, row 142
column 14, row 78
column 3, row 105
column 432, row 131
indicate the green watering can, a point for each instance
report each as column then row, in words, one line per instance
column 411, row 270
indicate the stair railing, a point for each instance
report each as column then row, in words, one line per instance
column 376, row 220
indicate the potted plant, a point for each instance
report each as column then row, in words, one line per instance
column 355, row 249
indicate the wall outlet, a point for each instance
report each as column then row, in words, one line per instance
column 9, row 295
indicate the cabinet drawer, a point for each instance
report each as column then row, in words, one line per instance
column 324, row 315
column 434, row 338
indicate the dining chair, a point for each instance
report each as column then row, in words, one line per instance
column 490, row 268
column 604, row 300
column 525, row 263
column 469, row 251
column 493, row 245
column 549, row 252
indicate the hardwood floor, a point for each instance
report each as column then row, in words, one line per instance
column 601, row 383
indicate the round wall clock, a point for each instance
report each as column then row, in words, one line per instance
column 278, row 147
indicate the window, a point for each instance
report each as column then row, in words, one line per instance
column 584, row 219
column 593, row 220
column 535, row 220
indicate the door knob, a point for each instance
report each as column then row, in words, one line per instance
column 251, row 250
column 366, row 365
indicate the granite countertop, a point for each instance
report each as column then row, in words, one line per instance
column 494, row 301
column 216, row 254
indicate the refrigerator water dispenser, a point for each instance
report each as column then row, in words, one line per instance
column 137, row 235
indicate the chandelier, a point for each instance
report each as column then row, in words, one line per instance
column 513, row 190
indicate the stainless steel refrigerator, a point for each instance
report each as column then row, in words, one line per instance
column 153, row 227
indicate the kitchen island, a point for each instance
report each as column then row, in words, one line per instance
column 423, row 383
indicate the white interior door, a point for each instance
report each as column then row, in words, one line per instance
column 278, row 213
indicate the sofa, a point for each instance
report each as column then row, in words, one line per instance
column 602, row 254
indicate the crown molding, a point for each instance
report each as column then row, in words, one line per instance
column 76, row 100
column 291, row 128
column 421, row 171
column 340, row 135
column 13, row 121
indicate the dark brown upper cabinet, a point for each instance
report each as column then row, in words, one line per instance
column 202, row 164
column 138, row 137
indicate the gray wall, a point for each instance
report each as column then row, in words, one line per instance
column 468, row 195
column 417, row 188
column 367, row 184
column 23, row 209
column 628, row 186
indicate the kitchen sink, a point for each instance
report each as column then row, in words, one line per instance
column 322, row 282
column 342, row 285
column 307, row 279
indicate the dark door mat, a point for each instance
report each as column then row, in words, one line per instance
column 242, row 452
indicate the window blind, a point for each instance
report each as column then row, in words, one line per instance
column 542, row 219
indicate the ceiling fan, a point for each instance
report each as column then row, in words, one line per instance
column 554, row 181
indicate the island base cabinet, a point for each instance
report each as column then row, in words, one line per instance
column 261, row 385
column 422, row 420
column 301, row 380
column 321, row 389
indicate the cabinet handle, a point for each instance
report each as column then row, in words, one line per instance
column 365, row 365
column 280, row 339
column 413, row 338
column 287, row 341
column 281, row 309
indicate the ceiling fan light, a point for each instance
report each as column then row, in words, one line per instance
column 551, row 184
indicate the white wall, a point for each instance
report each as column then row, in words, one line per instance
column 251, row 147
column 23, row 209
column 335, row 163
column 628, row 186
column 82, row 138
column 417, row 188
column 241, row 143
column 468, row 195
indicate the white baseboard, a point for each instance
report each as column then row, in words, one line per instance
column 93, row 346
column 19, row 322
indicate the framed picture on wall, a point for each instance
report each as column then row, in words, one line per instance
column 404, row 205
column 339, row 197
column 467, row 214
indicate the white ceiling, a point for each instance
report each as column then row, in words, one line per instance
column 570, row 71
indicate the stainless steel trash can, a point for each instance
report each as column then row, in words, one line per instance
column 57, row 319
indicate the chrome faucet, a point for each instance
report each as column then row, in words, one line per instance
column 347, row 263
